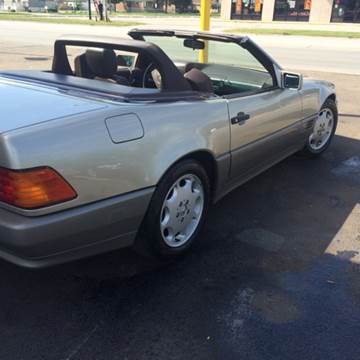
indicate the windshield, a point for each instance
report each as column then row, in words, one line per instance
column 231, row 68
column 222, row 53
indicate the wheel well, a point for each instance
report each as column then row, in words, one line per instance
column 332, row 97
column 207, row 161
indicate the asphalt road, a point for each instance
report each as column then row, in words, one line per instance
column 20, row 41
column 275, row 275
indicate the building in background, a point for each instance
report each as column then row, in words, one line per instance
column 246, row 9
column 346, row 11
column 166, row 6
column 40, row 5
column 12, row 5
column 313, row 11
column 28, row 5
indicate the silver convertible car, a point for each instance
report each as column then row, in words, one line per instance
column 127, row 142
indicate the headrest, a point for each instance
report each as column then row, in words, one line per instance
column 102, row 63
column 81, row 67
column 199, row 81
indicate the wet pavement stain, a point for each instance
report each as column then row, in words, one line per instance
column 349, row 168
column 276, row 307
column 261, row 238
column 296, row 315
column 233, row 322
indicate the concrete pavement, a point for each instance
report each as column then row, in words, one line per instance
column 337, row 55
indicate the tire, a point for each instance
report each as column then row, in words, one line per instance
column 312, row 148
column 174, row 203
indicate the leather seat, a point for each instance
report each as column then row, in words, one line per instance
column 199, row 81
column 81, row 67
column 99, row 65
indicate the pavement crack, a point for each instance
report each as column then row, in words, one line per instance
column 81, row 344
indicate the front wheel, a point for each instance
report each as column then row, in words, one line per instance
column 323, row 130
column 178, row 209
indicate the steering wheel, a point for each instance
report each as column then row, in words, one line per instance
column 151, row 77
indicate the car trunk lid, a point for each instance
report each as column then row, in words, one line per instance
column 24, row 104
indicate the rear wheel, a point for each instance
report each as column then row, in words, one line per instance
column 178, row 209
column 323, row 130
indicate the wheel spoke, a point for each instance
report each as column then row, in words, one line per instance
column 165, row 218
column 329, row 124
column 168, row 234
column 194, row 196
column 186, row 188
column 194, row 215
column 171, row 202
column 179, row 238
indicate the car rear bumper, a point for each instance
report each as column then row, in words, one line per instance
column 72, row 234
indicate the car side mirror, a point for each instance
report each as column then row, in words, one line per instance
column 291, row 80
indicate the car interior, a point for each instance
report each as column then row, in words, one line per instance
column 136, row 70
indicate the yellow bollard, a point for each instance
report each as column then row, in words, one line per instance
column 204, row 26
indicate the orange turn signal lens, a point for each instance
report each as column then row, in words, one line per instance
column 34, row 188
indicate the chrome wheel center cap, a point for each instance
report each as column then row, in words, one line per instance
column 183, row 210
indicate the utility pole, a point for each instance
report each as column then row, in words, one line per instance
column 89, row 4
column 204, row 26
column 106, row 10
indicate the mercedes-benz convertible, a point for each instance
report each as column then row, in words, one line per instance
column 127, row 142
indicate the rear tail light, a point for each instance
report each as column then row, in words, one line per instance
column 34, row 188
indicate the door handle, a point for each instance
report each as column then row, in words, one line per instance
column 240, row 118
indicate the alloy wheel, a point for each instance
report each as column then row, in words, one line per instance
column 322, row 130
column 182, row 210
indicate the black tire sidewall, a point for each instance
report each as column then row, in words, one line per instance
column 152, row 220
column 330, row 104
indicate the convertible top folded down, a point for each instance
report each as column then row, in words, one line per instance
column 109, row 91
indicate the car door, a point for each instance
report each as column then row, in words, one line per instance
column 265, row 117
column 264, row 129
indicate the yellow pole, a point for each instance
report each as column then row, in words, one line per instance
column 204, row 26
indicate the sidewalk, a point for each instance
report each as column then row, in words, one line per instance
column 217, row 23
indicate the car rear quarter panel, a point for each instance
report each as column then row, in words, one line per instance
column 81, row 150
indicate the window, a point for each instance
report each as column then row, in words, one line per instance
column 246, row 9
column 231, row 68
column 346, row 11
column 292, row 10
